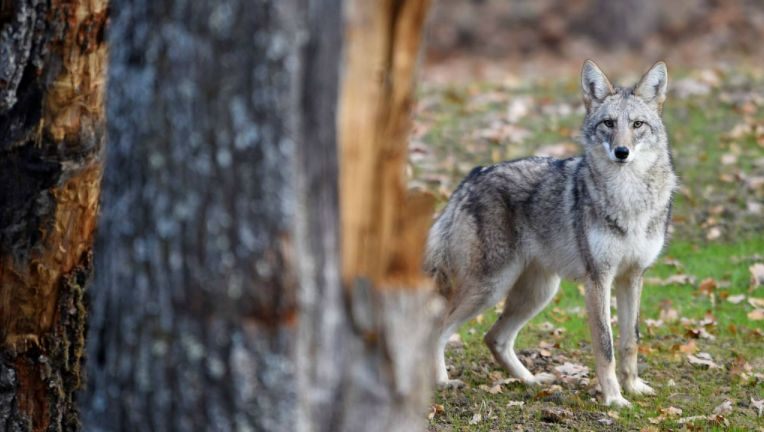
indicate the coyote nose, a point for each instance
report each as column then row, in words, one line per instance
column 621, row 153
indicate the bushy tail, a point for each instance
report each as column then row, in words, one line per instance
column 436, row 261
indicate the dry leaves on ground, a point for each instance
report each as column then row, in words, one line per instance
column 664, row 413
column 703, row 359
column 675, row 279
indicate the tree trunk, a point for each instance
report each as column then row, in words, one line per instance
column 384, row 328
column 218, row 303
column 194, row 321
column 52, row 66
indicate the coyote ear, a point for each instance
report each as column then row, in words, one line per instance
column 652, row 86
column 595, row 85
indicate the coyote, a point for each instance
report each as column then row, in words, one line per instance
column 513, row 229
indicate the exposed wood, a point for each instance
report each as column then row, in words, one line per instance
column 52, row 123
column 390, row 344
column 377, row 96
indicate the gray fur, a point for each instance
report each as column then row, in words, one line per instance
column 513, row 229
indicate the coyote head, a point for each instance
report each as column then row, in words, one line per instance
column 623, row 125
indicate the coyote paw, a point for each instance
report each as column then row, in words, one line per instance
column 541, row 378
column 451, row 384
column 617, row 401
column 638, row 387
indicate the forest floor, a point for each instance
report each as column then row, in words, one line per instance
column 702, row 326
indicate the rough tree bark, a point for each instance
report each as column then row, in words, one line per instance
column 52, row 66
column 194, row 321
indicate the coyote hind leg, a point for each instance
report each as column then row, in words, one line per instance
column 471, row 298
column 526, row 299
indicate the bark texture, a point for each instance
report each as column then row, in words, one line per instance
column 52, row 66
column 194, row 301
column 384, row 329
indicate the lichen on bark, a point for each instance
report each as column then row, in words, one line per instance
column 39, row 381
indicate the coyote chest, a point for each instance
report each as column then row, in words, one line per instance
column 637, row 247
column 628, row 219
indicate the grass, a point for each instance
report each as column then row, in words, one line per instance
column 460, row 127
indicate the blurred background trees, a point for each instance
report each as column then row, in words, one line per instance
column 541, row 36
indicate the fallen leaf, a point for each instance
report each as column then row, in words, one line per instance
column 707, row 286
column 557, row 150
column 651, row 323
column 755, row 182
column 499, row 307
column 495, row 389
column 676, row 279
column 499, row 132
column 756, row 302
column 714, row 233
column 668, row 315
column 703, row 359
column 495, row 376
column 435, row 410
column 740, row 367
column 756, row 315
column 757, row 275
column 732, row 328
column 571, row 372
column 754, row 207
column 724, row 408
column 708, row 320
column 690, row 347
column 759, row 405
column 728, row 159
column 699, row 333
column 688, row 87
column 518, row 108
column 739, row 131
column 555, row 414
column 673, row 262
column 735, row 299
column 692, row 419
column 671, row 411
column 476, row 418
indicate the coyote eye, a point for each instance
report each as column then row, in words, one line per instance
column 637, row 124
column 609, row 123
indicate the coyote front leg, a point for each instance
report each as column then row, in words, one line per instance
column 598, row 309
column 628, row 289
